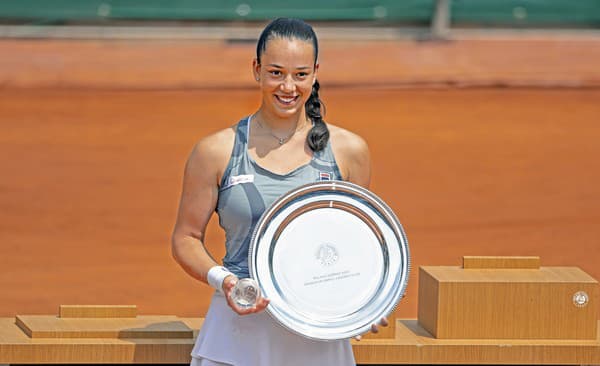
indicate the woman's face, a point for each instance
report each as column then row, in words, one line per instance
column 286, row 75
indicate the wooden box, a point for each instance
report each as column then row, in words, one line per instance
column 507, row 298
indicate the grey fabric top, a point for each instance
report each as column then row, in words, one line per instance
column 247, row 190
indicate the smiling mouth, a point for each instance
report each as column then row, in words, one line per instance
column 286, row 100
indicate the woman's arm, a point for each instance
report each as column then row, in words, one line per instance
column 197, row 203
column 203, row 172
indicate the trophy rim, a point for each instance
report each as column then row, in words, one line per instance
column 387, row 301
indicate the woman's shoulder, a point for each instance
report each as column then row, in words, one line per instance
column 346, row 141
column 217, row 143
column 212, row 152
column 352, row 155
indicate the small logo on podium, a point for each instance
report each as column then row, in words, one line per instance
column 580, row 299
column 327, row 254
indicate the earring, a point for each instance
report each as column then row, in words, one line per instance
column 257, row 79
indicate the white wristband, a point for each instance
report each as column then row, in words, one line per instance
column 216, row 275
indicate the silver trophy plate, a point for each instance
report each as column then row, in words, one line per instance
column 333, row 259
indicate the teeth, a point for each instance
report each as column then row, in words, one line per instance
column 286, row 99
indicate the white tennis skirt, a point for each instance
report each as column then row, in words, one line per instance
column 258, row 340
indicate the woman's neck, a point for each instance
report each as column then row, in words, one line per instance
column 277, row 124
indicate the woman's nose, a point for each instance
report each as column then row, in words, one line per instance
column 288, row 84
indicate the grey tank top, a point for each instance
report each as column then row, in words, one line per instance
column 247, row 190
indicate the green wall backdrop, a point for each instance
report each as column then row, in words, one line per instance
column 478, row 12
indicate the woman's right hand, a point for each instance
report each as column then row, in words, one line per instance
column 228, row 285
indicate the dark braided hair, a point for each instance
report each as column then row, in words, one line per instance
column 297, row 29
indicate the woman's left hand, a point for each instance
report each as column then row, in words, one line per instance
column 375, row 327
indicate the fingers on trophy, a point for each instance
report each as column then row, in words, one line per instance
column 374, row 328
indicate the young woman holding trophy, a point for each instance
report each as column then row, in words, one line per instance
column 239, row 172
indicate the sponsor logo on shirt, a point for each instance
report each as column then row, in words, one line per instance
column 238, row 179
column 324, row 176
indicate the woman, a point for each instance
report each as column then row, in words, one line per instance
column 239, row 172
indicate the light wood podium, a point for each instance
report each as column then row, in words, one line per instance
column 490, row 311
column 507, row 298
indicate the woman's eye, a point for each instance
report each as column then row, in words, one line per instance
column 302, row 74
column 275, row 72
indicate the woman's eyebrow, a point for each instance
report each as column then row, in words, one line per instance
column 297, row 68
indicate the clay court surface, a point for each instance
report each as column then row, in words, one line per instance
column 92, row 163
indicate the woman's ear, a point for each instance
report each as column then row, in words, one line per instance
column 315, row 73
column 256, row 69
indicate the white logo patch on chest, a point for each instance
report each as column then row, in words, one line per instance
column 238, row 179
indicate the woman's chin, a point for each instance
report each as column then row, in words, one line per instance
column 286, row 112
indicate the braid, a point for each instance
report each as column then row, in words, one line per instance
column 319, row 134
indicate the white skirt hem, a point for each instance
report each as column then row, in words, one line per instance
column 258, row 340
